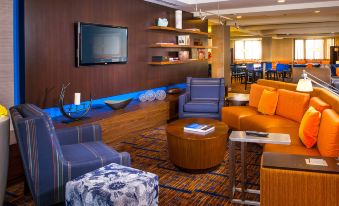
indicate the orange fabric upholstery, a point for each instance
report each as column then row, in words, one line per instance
column 309, row 65
column 232, row 115
column 319, row 104
column 337, row 71
column 325, row 61
column 255, row 94
column 291, row 149
column 268, row 102
column 328, row 138
column 309, row 127
column 292, row 105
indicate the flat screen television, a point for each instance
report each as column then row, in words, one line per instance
column 101, row 44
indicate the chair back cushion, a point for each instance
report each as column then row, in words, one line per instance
column 39, row 146
column 206, row 89
column 292, row 105
column 256, row 92
column 328, row 137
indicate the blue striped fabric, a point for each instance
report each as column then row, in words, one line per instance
column 53, row 157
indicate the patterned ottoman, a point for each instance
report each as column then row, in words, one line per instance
column 115, row 185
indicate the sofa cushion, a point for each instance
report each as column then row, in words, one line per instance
column 268, row 102
column 319, row 104
column 255, row 94
column 309, row 127
column 292, row 105
column 232, row 115
column 328, row 138
column 202, row 106
column 269, row 123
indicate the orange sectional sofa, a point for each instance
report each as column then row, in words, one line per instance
column 289, row 113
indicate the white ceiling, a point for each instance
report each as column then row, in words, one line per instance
column 267, row 17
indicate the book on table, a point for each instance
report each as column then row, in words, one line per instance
column 196, row 128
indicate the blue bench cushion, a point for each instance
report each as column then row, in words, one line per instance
column 202, row 106
column 92, row 151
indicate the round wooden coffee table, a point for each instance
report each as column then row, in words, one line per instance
column 196, row 152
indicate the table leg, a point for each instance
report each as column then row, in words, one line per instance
column 243, row 170
column 231, row 168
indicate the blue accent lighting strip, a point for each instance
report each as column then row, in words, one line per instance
column 16, row 52
column 55, row 111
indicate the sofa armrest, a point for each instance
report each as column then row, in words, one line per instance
column 76, row 135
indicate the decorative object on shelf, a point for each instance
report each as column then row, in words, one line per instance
column 150, row 95
column 174, row 91
column 162, row 22
column 201, row 54
column 184, row 55
column 160, row 95
column 178, row 19
column 118, row 104
column 305, row 84
column 197, row 42
column 3, row 111
column 159, row 58
column 184, row 40
column 142, row 98
column 79, row 111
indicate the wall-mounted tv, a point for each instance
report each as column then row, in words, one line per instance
column 100, row 44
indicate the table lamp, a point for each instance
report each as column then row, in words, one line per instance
column 305, row 84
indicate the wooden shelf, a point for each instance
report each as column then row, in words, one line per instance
column 179, row 46
column 162, row 28
column 175, row 62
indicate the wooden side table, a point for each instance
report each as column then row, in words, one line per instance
column 240, row 136
column 237, row 99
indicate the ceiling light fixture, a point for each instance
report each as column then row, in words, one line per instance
column 203, row 14
column 239, row 17
column 317, row 11
column 281, row 1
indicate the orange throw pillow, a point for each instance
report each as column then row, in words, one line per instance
column 292, row 105
column 268, row 102
column 309, row 127
column 319, row 104
column 255, row 94
column 328, row 137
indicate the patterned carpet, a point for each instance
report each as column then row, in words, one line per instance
column 148, row 150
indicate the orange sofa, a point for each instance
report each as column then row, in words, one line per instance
column 290, row 109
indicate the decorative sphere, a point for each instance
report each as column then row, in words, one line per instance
column 142, row 98
column 150, row 95
column 160, row 95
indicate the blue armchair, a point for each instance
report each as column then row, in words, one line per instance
column 204, row 98
column 53, row 157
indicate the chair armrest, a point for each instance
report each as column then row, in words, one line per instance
column 182, row 100
column 79, row 134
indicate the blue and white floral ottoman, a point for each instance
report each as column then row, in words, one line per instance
column 115, row 185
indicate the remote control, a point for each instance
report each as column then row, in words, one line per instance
column 257, row 134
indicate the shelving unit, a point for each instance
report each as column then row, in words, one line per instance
column 175, row 62
column 193, row 49
column 162, row 28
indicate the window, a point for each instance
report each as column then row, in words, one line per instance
column 314, row 49
column 299, row 49
column 247, row 49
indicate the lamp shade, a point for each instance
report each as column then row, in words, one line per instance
column 304, row 85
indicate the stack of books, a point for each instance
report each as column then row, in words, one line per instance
column 201, row 129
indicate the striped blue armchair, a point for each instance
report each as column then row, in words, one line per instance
column 53, row 157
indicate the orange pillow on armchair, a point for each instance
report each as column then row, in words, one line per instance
column 309, row 127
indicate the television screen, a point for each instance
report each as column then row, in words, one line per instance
column 101, row 44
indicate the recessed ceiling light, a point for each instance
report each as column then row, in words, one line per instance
column 239, row 17
column 332, row 32
column 317, row 11
column 281, row 1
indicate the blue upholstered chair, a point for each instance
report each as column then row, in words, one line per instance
column 53, row 157
column 204, row 98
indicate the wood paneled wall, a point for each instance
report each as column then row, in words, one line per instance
column 50, row 50
column 6, row 53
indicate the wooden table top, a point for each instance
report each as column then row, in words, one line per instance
column 238, row 97
column 176, row 128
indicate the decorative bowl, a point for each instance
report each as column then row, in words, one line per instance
column 118, row 104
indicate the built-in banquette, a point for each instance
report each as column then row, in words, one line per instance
column 291, row 187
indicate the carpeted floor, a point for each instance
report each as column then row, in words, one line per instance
column 148, row 150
